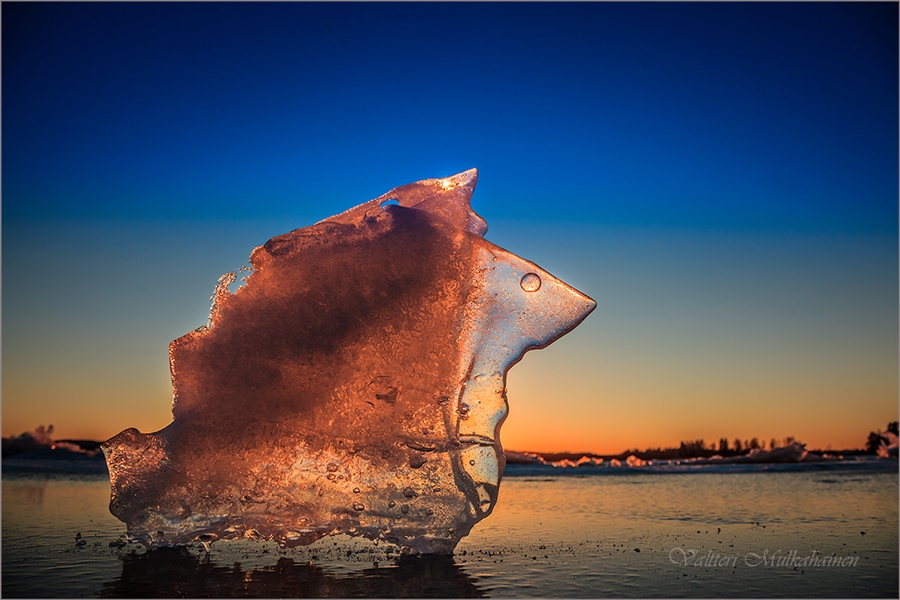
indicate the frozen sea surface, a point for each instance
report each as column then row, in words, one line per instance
column 753, row 531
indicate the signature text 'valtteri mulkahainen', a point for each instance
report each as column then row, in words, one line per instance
column 768, row 558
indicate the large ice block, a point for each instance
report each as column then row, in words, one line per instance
column 354, row 384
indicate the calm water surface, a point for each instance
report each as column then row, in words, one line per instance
column 690, row 533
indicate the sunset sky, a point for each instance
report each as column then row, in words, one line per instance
column 721, row 178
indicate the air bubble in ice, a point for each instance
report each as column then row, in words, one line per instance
column 531, row 282
column 338, row 356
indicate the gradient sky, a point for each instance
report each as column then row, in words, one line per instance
column 721, row 178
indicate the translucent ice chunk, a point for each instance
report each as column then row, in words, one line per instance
column 354, row 384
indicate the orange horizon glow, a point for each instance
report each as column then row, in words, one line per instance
column 514, row 439
column 527, row 429
column 553, row 407
column 637, row 374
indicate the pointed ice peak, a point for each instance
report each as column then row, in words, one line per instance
column 467, row 179
column 448, row 198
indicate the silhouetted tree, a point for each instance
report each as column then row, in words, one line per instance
column 738, row 447
column 772, row 444
column 723, row 446
column 754, row 444
column 874, row 442
column 892, row 427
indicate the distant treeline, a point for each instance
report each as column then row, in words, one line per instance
column 42, row 437
column 724, row 447
column 700, row 449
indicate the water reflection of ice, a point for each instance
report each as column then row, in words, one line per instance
column 189, row 575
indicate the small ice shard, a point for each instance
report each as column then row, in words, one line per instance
column 355, row 384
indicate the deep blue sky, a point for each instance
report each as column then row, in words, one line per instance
column 148, row 147
column 634, row 113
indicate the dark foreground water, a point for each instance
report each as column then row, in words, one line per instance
column 820, row 530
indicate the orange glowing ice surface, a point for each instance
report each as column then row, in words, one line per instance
column 354, row 384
